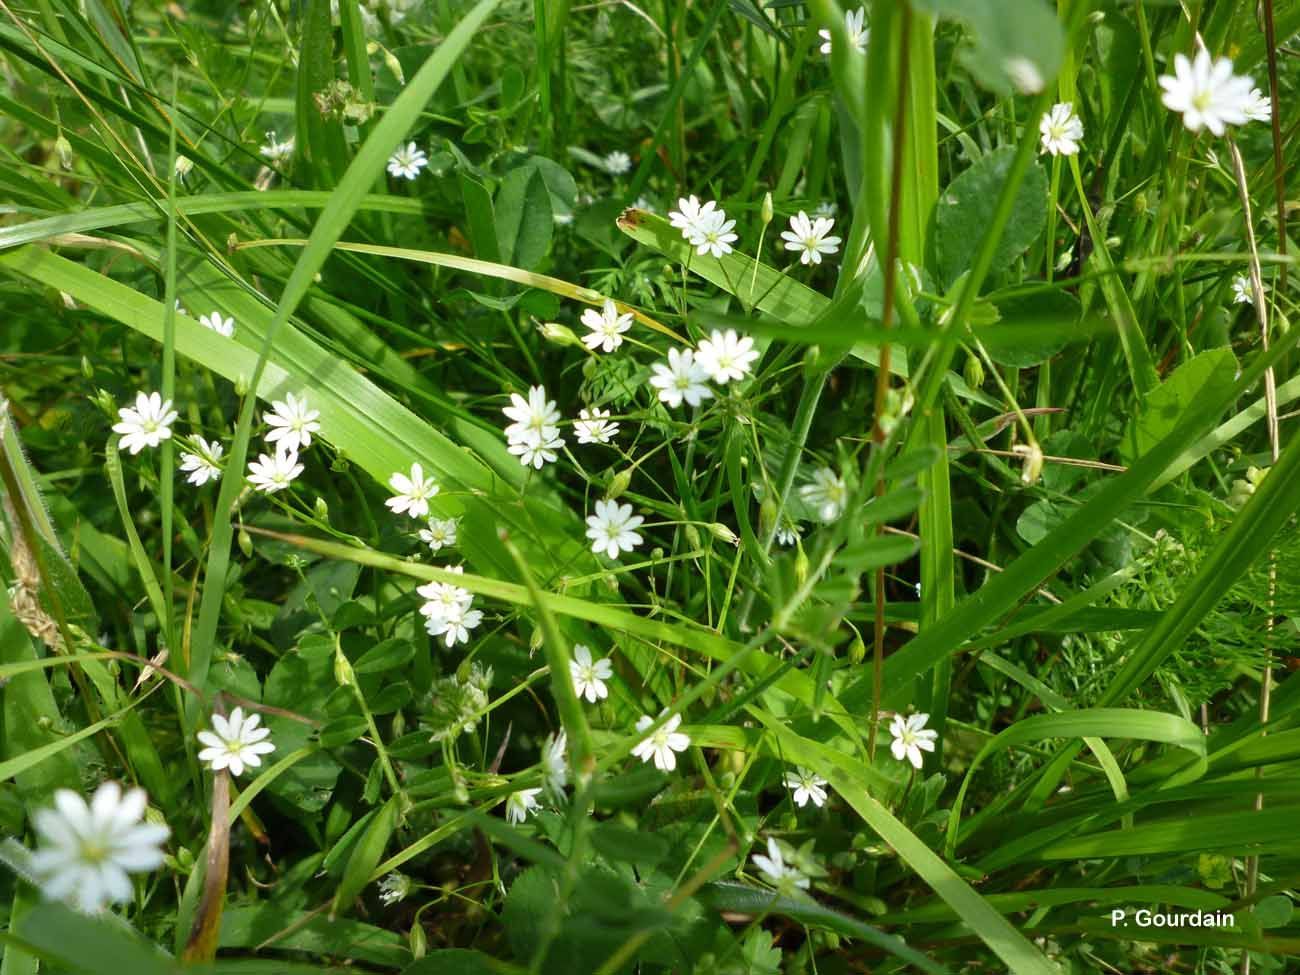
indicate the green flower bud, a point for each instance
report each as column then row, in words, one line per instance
column 724, row 534
column 557, row 333
column 344, row 675
column 322, row 509
column 418, row 941
column 973, row 372
column 246, row 543
column 766, row 213
column 857, row 651
column 618, row 484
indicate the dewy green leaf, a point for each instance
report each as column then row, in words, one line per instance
column 524, row 220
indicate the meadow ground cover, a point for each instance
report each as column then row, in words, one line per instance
column 729, row 487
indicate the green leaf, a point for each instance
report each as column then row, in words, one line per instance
column 1017, row 46
column 524, row 220
column 388, row 655
column 966, row 208
column 1274, row 911
column 366, row 856
column 453, row 961
column 1209, row 373
column 1031, row 328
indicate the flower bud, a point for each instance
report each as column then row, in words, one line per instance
column 64, row 150
column 1033, row 461
column 557, row 333
column 87, row 367
column 724, row 534
column 618, row 484
column 246, row 543
column 183, row 166
column 344, row 675
column 857, row 650
column 417, row 940
column 322, row 509
column 973, row 372
column 692, row 535
column 800, row 566
column 766, row 213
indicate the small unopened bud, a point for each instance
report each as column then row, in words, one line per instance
column 535, row 641
column 464, row 671
column 322, row 509
column 800, row 566
column 246, row 543
column 340, row 464
column 765, row 214
column 344, row 675
column 395, row 66
column 241, row 385
column 692, row 535
column 1033, row 461
column 766, row 516
column 418, row 941
column 857, row 650
column 232, row 242
column 557, row 333
column 723, row 534
column 64, row 149
column 87, row 367
column 973, row 372
column 618, row 484
column 184, row 164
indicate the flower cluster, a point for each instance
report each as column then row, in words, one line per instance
column 448, row 610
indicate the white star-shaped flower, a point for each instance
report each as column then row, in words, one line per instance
column 147, row 424
column 661, row 746
column 690, row 213
column 589, row 675
column 275, row 150
column 713, row 234
column 555, row 764
column 407, row 161
column 439, row 533
column 1061, row 130
column 827, row 493
column 1242, row 291
column 612, row 529
column 853, row 21
column 413, row 492
column 810, row 238
column 87, row 850
column 537, row 453
column 776, row 871
column 593, row 426
column 618, row 162
column 535, row 419
column 1259, row 107
column 1206, row 92
column 521, row 804
column 681, row 379
column 292, row 422
column 726, row 356
column 787, row 534
column 911, row 737
column 269, row 474
column 808, row 787
column 441, row 598
column 454, row 624
column 203, row 464
column 607, row 327
column 215, row 322
column 235, row 742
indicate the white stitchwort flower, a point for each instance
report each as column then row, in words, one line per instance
column 681, row 379
column 612, row 529
column 618, row 162
column 276, row 150
column 215, row 322
column 911, row 737
column 1061, row 130
column 395, row 888
column 826, row 493
column 593, row 427
column 810, row 238
column 589, row 675
column 293, row 422
column 787, row 534
column 413, row 492
column 439, row 533
column 689, row 215
column 1259, row 107
column 726, row 356
column 274, row 473
column 407, row 161
column 520, row 804
column 660, row 746
column 441, row 598
column 147, row 424
column 537, row 453
column 235, row 742
column 1242, row 292
column 808, row 787
column 776, row 871
column 454, row 624
column 713, row 234
column 826, row 208
column 607, row 327
column 853, row 26
column 87, row 849
column 203, row 464
column 535, row 419
column 1206, row 92
column 555, row 764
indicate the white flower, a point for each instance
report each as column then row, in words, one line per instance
column 1259, row 107
column 535, row 419
column 454, row 624
column 555, row 764
column 147, row 424
column 713, row 234
column 779, row 874
column 394, row 888
column 87, row 850
column 294, row 422
column 689, row 214
column 520, row 804
column 439, row 533
column 222, row 326
column 607, row 327
column 537, row 453
column 413, row 492
column 911, row 737
column 618, row 162
column 612, row 528
column 589, row 675
column 407, row 161
column 726, row 356
column 826, row 493
column 235, row 742
column 203, row 463
column 660, row 746
column 1242, row 291
column 853, row 20
column 807, row 786
column 271, row 474
column 810, row 238
column 1061, row 129
column 441, row 598
column 593, row 427
column 682, row 379
column 1207, row 93
column 826, row 208
column 787, row 534
column 275, row 150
